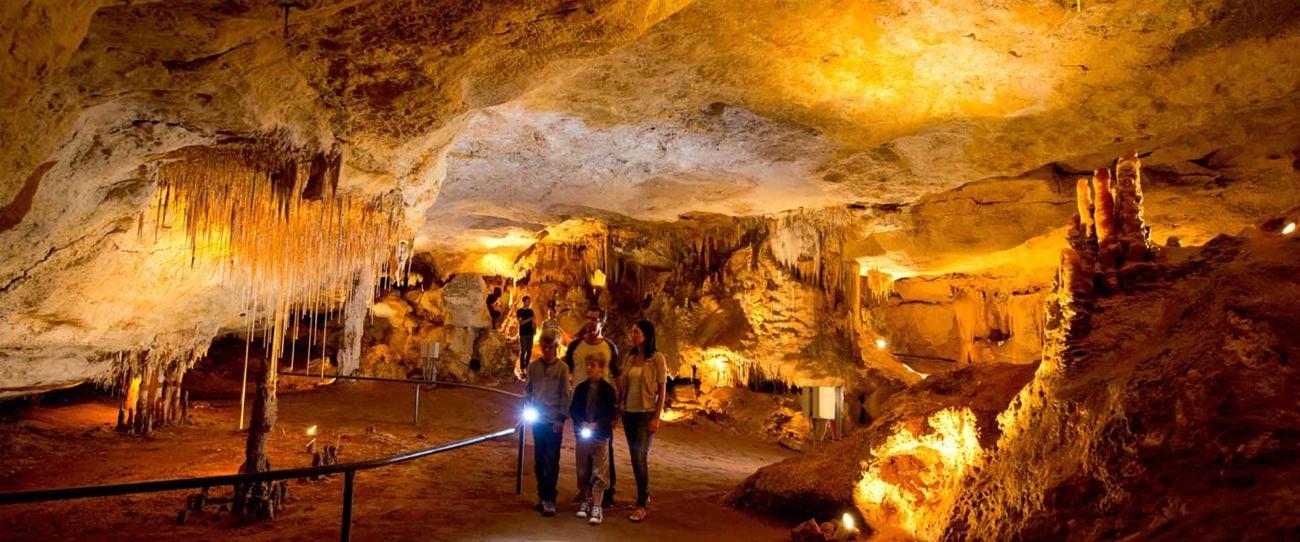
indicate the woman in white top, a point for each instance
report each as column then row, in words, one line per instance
column 642, row 390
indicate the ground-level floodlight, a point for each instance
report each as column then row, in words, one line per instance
column 530, row 414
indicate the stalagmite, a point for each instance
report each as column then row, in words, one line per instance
column 1084, row 200
column 1135, row 235
column 259, row 499
column 1104, row 217
column 354, row 313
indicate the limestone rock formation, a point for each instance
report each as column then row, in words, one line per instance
column 1159, row 410
column 1170, row 418
column 907, row 443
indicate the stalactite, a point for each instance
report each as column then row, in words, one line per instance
column 269, row 214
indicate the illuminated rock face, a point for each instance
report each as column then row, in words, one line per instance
column 524, row 114
column 1137, row 422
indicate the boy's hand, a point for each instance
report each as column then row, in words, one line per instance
column 654, row 425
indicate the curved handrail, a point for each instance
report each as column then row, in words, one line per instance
column 414, row 381
column 234, row 479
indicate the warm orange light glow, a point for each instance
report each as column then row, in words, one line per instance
column 133, row 393
column 493, row 264
column 881, row 343
column 1288, row 229
column 598, row 279
column 920, row 498
column 270, row 216
column 670, row 415
column 512, row 239
column 311, row 431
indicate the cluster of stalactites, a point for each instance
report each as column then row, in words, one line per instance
column 571, row 262
column 705, row 246
column 824, row 264
column 269, row 215
column 150, row 384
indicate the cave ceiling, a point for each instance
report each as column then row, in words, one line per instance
column 957, row 128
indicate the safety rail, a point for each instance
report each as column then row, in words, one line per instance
column 349, row 470
column 415, row 417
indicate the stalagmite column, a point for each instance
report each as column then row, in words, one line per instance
column 354, row 318
column 1084, row 198
column 259, row 499
column 1134, row 235
column 1108, row 250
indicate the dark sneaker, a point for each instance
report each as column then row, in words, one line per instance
column 584, row 509
column 596, row 516
column 548, row 508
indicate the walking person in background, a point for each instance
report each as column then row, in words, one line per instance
column 593, row 411
column 593, row 345
column 527, row 329
column 642, row 392
column 493, row 310
column 548, row 391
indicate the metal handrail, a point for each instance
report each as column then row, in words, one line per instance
column 349, row 471
column 413, row 381
column 67, row 493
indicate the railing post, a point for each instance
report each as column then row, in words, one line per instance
column 346, row 534
column 415, row 418
column 519, row 465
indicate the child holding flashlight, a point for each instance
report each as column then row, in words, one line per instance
column 547, row 394
column 593, row 410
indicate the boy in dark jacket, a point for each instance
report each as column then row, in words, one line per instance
column 593, row 411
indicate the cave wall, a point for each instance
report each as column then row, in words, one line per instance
column 97, row 93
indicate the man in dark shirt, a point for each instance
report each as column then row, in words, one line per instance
column 493, row 310
column 527, row 329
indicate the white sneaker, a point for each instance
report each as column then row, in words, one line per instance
column 596, row 516
column 584, row 509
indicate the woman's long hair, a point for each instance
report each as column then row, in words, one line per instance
column 648, row 330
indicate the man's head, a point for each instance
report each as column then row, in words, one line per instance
column 550, row 344
column 595, row 322
column 527, row 301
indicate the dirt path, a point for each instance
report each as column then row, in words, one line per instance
column 461, row 495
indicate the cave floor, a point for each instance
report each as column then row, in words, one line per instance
column 465, row 494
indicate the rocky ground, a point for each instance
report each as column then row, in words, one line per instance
column 462, row 495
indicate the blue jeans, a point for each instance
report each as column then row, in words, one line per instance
column 546, row 458
column 636, row 425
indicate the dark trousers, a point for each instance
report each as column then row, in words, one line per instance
column 546, row 458
column 608, row 498
column 525, row 349
column 636, row 426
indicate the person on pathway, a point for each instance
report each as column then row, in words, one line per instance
column 527, row 330
column 548, row 391
column 642, row 392
column 493, row 310
column 593, row 411
column 593, row 345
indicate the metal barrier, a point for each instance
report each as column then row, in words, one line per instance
column 349, row 470
column 415, row 417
